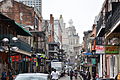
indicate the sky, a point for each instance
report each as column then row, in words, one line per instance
column 82, row 12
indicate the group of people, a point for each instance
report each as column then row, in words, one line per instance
column 4, row 75
column 73, row 73
column 85, row 75
column 55, row 74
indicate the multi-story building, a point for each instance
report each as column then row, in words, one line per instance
column 33, row 3
column 9, row 29
column 54, row 37
column 105, row 40
column 108, row 27
column 28, row 18
column 71, row 42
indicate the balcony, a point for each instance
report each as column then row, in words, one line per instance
column 100, row 27
column 114, row 18
column 20, row 44
column 53, row 47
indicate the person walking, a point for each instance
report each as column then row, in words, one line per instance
column 10, row 75
column 71, row 74
column 88, row 75
column 4, row 75
column 55, row 75
column 75, row 74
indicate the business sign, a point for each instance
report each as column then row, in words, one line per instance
column 93, row 61
column 112, row 49
column 15, row 58
column 100, row 49
column 87, row 53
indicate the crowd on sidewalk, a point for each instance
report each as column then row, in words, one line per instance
column 6, row 75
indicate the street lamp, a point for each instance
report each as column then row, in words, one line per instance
column 7, row 42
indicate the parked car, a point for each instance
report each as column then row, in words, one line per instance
column 33, row 76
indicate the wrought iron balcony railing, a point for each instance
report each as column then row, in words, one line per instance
column 23, row 45
column 113, row 19
column 100, row 24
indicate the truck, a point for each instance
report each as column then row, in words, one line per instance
column 59, row 66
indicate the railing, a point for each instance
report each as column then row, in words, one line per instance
column 20, row 44
column 100, row 23
column 113, row 19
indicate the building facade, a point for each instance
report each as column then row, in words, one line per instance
column 71, row 42
column 30, row 19
column 106, row 41
column 33, row 3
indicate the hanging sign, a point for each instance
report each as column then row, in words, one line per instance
column 100, row 49
column 112, row 49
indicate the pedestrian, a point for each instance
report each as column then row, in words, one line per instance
column 4, row 75
column 88, row 75
column 97, row 76
column 10, row 75
column 71, row 74
column 55, row 75
column 75, row 74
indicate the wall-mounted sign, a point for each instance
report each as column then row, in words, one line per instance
column 87, row 53
column 100, row 49
column 112, row 49
column 15, row 58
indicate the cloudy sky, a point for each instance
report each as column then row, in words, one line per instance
column 82, row 12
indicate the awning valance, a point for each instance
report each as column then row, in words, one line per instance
column 23, row 52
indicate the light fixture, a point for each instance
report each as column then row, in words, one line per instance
column 14, row 48
column 5, row 40
column 14, row 38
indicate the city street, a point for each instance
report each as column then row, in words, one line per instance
column 66, row 77
column 47, row 39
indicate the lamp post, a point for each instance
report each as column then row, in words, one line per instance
column 7, row 43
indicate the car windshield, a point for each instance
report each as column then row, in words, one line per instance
column 30, row 78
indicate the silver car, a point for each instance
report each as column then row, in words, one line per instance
column 32, row 76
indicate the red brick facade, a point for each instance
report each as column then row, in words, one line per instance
column 20, row 13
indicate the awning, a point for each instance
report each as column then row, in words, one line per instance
column 21, row 30
column 23, row 52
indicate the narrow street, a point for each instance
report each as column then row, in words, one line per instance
column 46, row 39
column 66, row 77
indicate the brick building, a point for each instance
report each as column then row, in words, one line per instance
column 25, row 15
